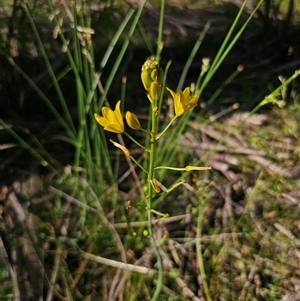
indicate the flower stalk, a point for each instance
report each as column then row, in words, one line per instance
column 154, row 95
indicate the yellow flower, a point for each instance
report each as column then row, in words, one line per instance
column 183, row 101
column 132, row 120
column 112, row 121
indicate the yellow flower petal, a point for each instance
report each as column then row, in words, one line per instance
column 111, row 121
column 106, row 111
column 100, row 120
column 172, row 92
column 183, row 101
column 118, row 116
column 179, row 104
column 114, row 129
column 186, row 95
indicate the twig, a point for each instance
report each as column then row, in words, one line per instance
column 165, row 220
column 72, row 200
column 142, row 259
column 287, row 233
column 186, row 291
column 54, row 273
column 118, row 264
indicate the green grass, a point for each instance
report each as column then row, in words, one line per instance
column 98, row 230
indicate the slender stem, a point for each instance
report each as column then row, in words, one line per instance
column 160, row 31
column 151, row 191
column 164, row 215
column 171, row 168
column 166, row 128
column 200, row 256
column 272, row 97
column 138, row 164
column 136, row 142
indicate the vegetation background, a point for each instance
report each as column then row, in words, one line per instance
column 73, row 220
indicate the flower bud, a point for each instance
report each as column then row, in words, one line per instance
column 132, row 120
column 189, row 168
column 151, row 72
column 155, row 91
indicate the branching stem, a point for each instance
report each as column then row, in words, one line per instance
column 151, row 192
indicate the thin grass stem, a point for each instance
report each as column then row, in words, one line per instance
column 106, row 57
column 36, row 154
column 160, row 44
column 121, row 53
column 51, row 72
column 228, row 80
column 192, row 56
column 200, row 255
column 223, row 51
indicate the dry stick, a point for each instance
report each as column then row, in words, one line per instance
column 288, row 233
column 185, row 289
column 174, row 253
column 148, row 253
column 119, row 265
column 248, row 283
column 54, row 273
column 81, row 268
column 117, row 285
column 164, row 220
column 66, row 286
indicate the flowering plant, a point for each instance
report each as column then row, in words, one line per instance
column 152, row 78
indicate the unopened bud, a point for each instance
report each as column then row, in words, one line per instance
column 155, row 91
column 151, row 72
column 189, row 168
column 132, row 120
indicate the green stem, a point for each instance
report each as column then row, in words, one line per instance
column 271, row 98
column 136, row 142
column 164, row 215
column 160, row 31
column 138, row 164
column 166, row 128
column 149, row 209
column 171, row 168
column 200, row 256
